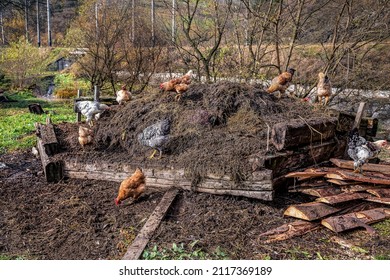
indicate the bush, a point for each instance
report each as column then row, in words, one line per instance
column 66, row 85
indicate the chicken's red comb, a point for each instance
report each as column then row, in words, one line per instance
column 117, row 202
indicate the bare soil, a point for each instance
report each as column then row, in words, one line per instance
column 77, row 219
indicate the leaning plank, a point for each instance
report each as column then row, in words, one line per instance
column 342, row 197
column 357, row 219
column 380, row 192
column 299, row 132
column 369, row 177
column 348, row 164
column 381, row 200
column 310, row 211
column 138, row 245
column 48, row 137
column 289, row 230
column 53, row 169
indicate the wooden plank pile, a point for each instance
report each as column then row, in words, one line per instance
column 342, row 200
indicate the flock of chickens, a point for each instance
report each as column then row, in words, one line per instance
column 156, row 135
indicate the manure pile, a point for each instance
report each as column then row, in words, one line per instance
column 214, row 127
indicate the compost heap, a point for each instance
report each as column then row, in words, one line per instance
column 215, row 128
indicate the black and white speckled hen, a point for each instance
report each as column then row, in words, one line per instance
column 361, row 150
column 155, row 136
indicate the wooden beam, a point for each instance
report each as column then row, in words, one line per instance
column 138, row 245
column 348, row 164
column 300, row 132
column 310, row 211
column 357, row 219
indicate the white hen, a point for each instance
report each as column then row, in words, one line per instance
column 91, row 110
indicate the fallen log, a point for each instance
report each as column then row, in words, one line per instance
column 342, row 197
column 311, row 211
column 299, row 132
column 138, row 245
column 289, row 230
column 47, row 145
column 357, row 219
column 348, row 164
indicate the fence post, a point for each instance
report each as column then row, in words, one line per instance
column 78, row 114
column 96, row 94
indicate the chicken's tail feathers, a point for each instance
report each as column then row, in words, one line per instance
column 272, row 88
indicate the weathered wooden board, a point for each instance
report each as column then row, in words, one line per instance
column 299, row 132
column 259, row 185
column 369, row 177
column 380, row 192
column 342, row 197
column 138, row 245
column 357, row 219
column 47, row 145
column 321, row 192
column 285, row 162
column 310, row 211
column 348, row 164
column 381, row 200
column 289, row 230
column 342, row 182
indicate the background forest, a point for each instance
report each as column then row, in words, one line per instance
column 127, row 41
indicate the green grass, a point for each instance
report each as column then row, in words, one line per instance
column 17, row 129
column 183, row 252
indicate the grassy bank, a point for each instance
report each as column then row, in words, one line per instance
column 17, row 129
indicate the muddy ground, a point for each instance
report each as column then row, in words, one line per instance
column 77, row 219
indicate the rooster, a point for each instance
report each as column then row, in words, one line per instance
column 178, row 85
column 132, row 186
column 361, row 150
column 91, row 110
column 281, row 82
column 324, row 88
column 123, row 95
column 155, row 136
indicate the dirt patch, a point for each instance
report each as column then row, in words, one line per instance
column 77, row 219
column 217, row 126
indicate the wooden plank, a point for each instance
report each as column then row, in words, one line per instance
column 289, row 230
column 358, row 188
column 299, row 132
column 321, row 192
column 284, row 162
column 310, row 211
column 53, row 169
column 359, row 115
column 342, row 182
column 138, row 245
column 357, row 219
column 380, row 192
column 259, row 185
column 381, row 200
column 348, row 164
column 368, row 177
column 334, row 176
column 342, row 197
